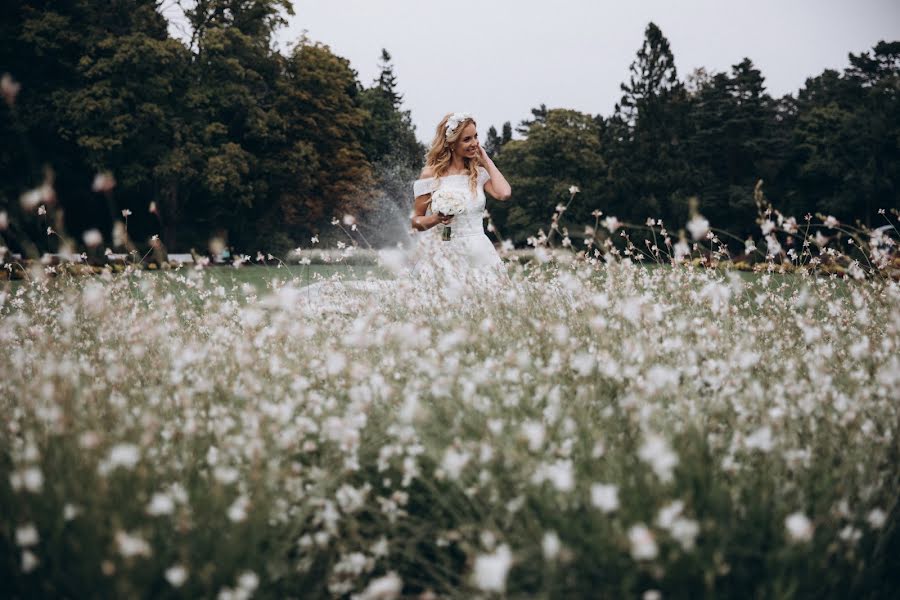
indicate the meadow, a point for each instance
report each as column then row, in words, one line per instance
column 589, row 429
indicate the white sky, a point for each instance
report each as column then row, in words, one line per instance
column 499, row 58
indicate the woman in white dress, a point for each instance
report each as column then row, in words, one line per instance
column 457, row 161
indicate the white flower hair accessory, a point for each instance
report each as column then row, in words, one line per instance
column 455, row 119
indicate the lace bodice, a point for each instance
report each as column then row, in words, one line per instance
column 469, row 222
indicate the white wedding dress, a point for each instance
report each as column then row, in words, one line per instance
column 468, row 254
column 467, row 260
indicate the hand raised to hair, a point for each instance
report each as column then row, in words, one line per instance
column 482, row 153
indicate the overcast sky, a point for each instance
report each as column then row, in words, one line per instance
column 499, row 58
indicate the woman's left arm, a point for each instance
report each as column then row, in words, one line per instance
column 497, row 186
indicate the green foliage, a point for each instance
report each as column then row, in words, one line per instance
column 226, row 136
column 562, row 148
column 833, row 149
column 847, row 156
column 318, row 99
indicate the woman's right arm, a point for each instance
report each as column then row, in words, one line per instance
column 421, row 221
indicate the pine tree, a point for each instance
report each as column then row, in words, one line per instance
column 387, row 81
column 493, row 142
column 654, row 78
column 388, row 135
column 506, row 136
column 648, row 129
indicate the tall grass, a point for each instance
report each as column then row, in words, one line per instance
column 583, row 430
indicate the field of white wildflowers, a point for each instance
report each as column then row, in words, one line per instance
column 588, row 430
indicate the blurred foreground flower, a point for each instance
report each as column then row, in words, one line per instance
column 611, row 223
column 643, row 544
column 103, row 182
column 9, row 88
column 605, row 497
column 698, row 226
column 92, row 238
column 799, row 527
column 382, row 588
column 176, row 575
column 491, row 570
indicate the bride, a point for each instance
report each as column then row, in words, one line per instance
column 456, row 162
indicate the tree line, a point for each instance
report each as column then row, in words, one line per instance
column 215, row 134
column 832, row 149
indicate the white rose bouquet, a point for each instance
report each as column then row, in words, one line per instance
column 448, row 202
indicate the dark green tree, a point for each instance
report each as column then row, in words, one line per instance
column 735, row 141
column 560, row 149
column 390, row 144
column 493, row 142
column 388, row 134
column 323, row 170
column 506, row 136
column 644, row 139
column 538, row 115
column 846, row 157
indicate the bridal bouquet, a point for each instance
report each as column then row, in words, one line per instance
column 448, row 202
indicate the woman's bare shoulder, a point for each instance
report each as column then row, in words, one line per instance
column 426, row 173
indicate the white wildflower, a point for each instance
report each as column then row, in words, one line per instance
column 643, row 544
column 454, row 462
column 799, row 527
column 761, row 439
column 605, row 497
column 876, row 518
column 681, row 251
column 560, row 474
column 29, row 561
column 550, row 545
column 248, row 581
column 491, row 569
column 657, row 452
column 123, row 455
column 698, row 226
column 70, row 511
column 92, row 238
column 176, row 575
column 667, row 514
column 27, row 535
column 685, row 532
column 351, row 499
column 611, row 223
column 131, row 545
column 237, row 512
column 533, row 432
column 103, row 182
column 33, row 479
column 387, row 587
column 160, row 504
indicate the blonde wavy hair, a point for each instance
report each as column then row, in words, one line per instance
column 438, row 156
